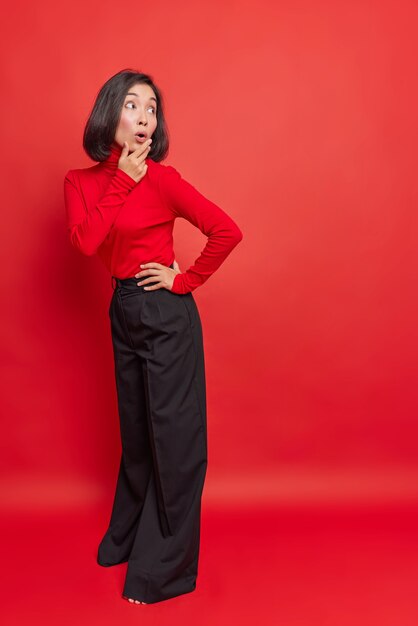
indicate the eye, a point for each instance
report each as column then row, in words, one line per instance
column 134, row 106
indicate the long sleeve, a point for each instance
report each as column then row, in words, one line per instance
column 223, row 233
column 89, row 228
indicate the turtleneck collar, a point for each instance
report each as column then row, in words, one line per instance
column 111, row 163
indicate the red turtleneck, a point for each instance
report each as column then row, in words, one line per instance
column 129, row 223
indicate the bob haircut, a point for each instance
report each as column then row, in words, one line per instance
column 100, row 129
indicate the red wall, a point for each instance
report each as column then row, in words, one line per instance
column 299, row 119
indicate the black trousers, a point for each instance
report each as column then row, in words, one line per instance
column 160, row 381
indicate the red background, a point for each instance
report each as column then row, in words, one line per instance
column 299, row 120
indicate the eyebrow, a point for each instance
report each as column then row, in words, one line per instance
column 132, row 93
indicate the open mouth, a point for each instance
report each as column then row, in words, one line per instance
column 141, row 137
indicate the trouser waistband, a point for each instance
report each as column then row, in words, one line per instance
column 131, row 281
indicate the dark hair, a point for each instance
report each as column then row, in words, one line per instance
column 100, row 129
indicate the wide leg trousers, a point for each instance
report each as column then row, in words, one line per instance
column 160, row 382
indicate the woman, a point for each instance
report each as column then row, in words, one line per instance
column 123, row 208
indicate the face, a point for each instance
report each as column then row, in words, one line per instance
column 138, row 115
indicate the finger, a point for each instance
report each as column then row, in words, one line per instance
column 150, row 279
column 154, row 287
column 145, row 273
column 142, row 149
column 141, row 157
column 140, row 160
column 152, row 265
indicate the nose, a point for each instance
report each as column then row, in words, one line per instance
column 142, row 117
